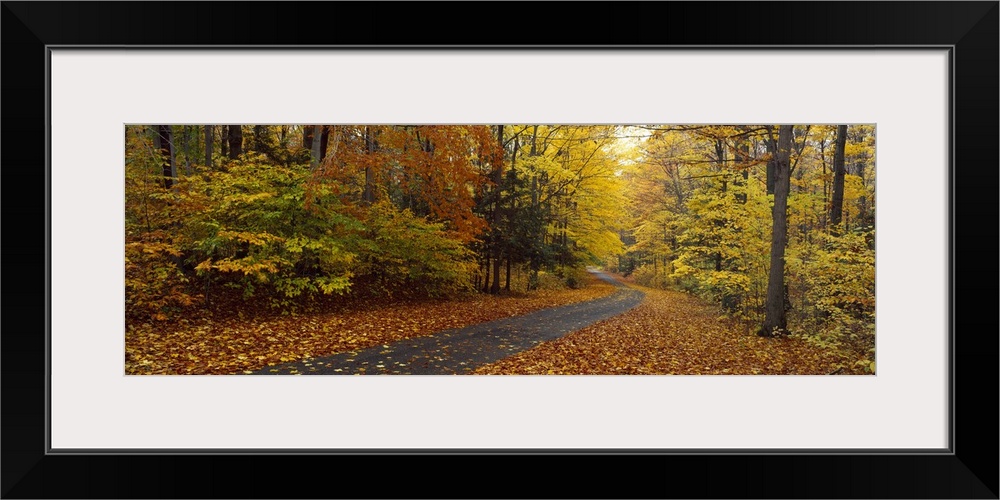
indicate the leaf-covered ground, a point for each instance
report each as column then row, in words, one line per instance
column 231, row 345
column 669, row 333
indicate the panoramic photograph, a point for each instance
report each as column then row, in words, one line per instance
column 486, row 249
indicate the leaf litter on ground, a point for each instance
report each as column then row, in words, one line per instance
column 670, row 333
column 231, row 345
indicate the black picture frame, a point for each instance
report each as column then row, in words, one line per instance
column 969, row 29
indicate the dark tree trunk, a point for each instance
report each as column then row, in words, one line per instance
column 166, row 152
column 235, row 141
column 720, row 158
column 324, row 141
column 498, row 172
column 512, row 208
column 307, row 137
column 209, row 143
column 826, row 187
column 863, row 201
column 224, row 140
column 837, row 203
column 368, row 195
column 770, row 167
column 774, row 314
column 316, row 144
column 506, row 285
column 260, row 135
column 743, row 150
column 187, row 151
column 486, row 274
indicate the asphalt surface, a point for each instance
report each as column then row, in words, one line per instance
column 462, row 350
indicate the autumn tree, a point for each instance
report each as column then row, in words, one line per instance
column 235, row 141
column 209, row 143
column 837, row 203
column 316, row 145
column 164, row 143
column 780, row 167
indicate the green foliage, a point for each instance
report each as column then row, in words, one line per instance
column 575, row 277
column 249, row 226
column 403, row 251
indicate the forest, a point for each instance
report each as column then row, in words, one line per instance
column 688, row 249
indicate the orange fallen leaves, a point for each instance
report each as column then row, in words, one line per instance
column 669, row 333
column 228, row 346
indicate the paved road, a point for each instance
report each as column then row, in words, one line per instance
column 462, row 350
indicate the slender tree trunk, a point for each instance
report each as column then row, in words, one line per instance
column 741, row 157
column 534, row 178
column 173, row 152
column 863, row 201
column 317, row 132
column 535, row 262
column 498, row 171
column 235, row 141
column 324, row 142
column 826, row 187
column 512, row 208
column 166, row 152
column 770, row 168
column 837, row 204
column 307, row 137
column 774, row 309
column 506, row 285
column 486, row 274
column 720, row 158
column 720, row 155
column 187, row 151
column 209, row 140
column 368, row 196
column 259, row 143
column 224, row 140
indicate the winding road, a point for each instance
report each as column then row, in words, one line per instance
column 462, row 350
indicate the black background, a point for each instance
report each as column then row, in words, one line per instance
column 972, row 472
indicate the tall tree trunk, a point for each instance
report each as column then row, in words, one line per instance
column 257, row 143
column 173, row 152
column 774, row 309
column 368, row 195
column 506, row 285
column 498, row 172
column 741, row 156
column 512, row 208
column 771, row 166
column 235, row 141
column 826, row 187
column 166, row 152
column 720, row 158
column 535, row 263
column 863, row 201
column 324, row 142
column 837, row 204
column 224, row 140
column 187, row 151
column 307, row 137
column 209, row 140
column 486, row 274
column 317, row 132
